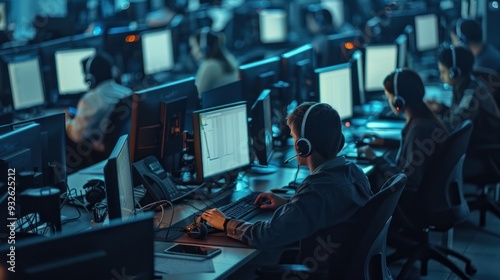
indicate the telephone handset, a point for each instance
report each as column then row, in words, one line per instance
column 156, row 180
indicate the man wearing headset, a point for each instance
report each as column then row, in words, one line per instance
column 95, row 107
column 329, row 196
column 468, row 33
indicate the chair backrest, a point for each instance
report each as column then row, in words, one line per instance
column 361, row 253
column 440, row 200
column 491, row 79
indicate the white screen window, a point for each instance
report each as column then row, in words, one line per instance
column 336, row 8
column 426, row 32
column 273, row 26
column 157, row 51
column 380, row 61
column 26, row 84
column 224, row 140
column 335, row 88
column 69, row 70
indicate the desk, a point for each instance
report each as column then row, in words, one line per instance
column 230, row 259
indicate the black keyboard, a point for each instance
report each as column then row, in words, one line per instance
column 243, row 208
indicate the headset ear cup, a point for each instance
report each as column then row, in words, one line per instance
column 197, row 230
column 304, row 147
column 398, row 102
column 95, row 191
column 90, row 80
column 454, row 72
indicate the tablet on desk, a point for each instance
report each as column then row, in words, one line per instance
column 191, row 252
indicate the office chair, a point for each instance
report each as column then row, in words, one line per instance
column 438, row 205
column 361, row 252
column 484, row 201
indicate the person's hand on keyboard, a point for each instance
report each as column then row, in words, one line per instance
column 269, row 201
column 366, row 152
column 370, row 139
column 214, row 217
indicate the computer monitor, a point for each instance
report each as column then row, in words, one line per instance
column 26, row 94
column 358, row 87
column 70, row 74
column 120, row 250
column 298, row 70
column 380, row 61
column 335, row 88
column 52, row 140
column 396, row 22
column 157, row 51
column 118, row 178
column 273, row 26
column 402, row 43
column 340, row 47
column 221, row 142
column 3, row 16
column 226, row 94
column 124, row 45
column 257, row 76
column 426, row 32
column 20, row 149
column 146, row 132
column 262, row 133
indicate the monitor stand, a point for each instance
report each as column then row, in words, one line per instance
column 263, row 169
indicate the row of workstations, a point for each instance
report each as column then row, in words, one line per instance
column 219, row 137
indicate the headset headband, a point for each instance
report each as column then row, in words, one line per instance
column 304, row 121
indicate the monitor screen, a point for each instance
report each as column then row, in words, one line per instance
column 335, row 88
column 26, row 94
column 157, row 51
column 336, row 8
column 358, row 87
column 226, row 94
column 426, row 32
column 221, row 141
column 118, row 178
column 70, row 74
column 262, row 134
column 121, row 250
column 273, row 26
column 298, row 69
column 380, row 61
column 146, row 120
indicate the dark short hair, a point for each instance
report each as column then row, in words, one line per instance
column 101, row 67
column 471, row 29
column 324, row 129
column 464, row 58
column 410, row 87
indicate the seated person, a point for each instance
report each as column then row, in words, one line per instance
column 471, row 100
column 329, row 196
column 468, row 33
column 217, row 66
column 95, row 107
column 423, row 131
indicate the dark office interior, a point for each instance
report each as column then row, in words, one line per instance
column 108, row 177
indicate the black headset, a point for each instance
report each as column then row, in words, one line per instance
column 89, row 77
column 462, row 39
column 304, row 146
column 197, row 230
column 204, row 46
column 454, row 71
column 398, row 101
column 95, row 191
